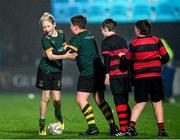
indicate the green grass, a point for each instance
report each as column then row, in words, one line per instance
column 19, row 118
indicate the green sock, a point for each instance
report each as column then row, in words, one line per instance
column 57, row 111
column 42, row 122
column 58, row 115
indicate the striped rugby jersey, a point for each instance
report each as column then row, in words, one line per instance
column 147, row 54
column 111, row 47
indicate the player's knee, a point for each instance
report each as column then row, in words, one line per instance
column 57, row 101
column 46, row 99
column 100, row 101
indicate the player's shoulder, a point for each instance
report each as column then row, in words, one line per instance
column 121, row 40
column 74, row 38
column 105, row 42
column 87, row 35
column 45, row 37
column 134, row 40
column 75, row 41
column 110, row 39
column 157, row 39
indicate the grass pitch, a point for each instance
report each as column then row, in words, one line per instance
column 19, row 117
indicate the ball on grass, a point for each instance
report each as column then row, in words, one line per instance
column 31, row 96
column 55, row 129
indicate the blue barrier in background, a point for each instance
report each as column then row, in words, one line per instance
column 121, row 10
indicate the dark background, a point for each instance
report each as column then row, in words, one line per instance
column 20, row 48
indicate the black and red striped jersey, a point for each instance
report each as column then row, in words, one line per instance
column 147, row 54
column 111, row 47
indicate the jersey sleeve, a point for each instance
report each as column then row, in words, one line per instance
column 129, row 53
column 46, row 45
column 164, row 57
column 106, row 56
column 74, row 43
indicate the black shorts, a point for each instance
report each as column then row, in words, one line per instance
column 91, row 84
column 49, row 80
column 120, row 85
column 145, row 88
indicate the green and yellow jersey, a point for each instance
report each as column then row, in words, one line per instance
column 50, row 43
column 168, row 48
column 88, row 58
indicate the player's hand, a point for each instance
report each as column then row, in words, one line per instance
column 70, row 55
column 106, row 81
column 65, row 47
column 121, row 54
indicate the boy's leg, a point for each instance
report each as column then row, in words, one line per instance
column 123, row 110
column 157, row 95
column 99, row 88
column 43, row 108
column 107, row 112
column 159, row 112
column 82, row 100
column 141, row 97
column 135, row 113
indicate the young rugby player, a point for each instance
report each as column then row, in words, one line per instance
column 118, row 80
column 147, row 54
column 91, row 78
column 50, row 70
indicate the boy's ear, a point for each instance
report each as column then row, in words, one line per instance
column 102, row 28
column 76, row 27
column 106, row 29
column 138, row 30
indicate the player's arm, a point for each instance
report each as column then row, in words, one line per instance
column 164, row 59
column 124, row 63
column 67, row 55
column 164, row 56
column 126, row 58
column 67, row 48
column 48, row 50
column 71, row 46
column 107, row 68
column 106, row 58
column 65, row 45
column 127, row 64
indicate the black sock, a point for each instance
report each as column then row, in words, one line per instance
column 107, row 112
